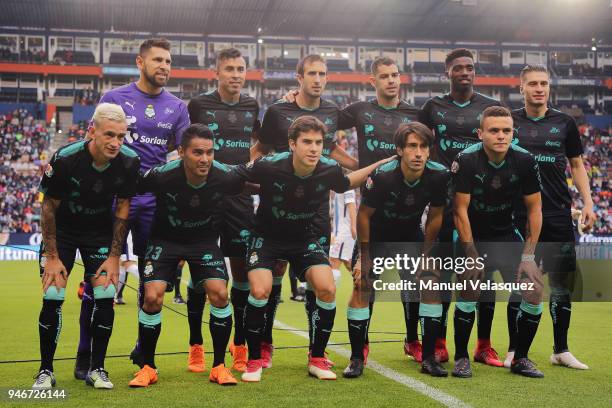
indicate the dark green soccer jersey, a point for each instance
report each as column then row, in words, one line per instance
column 375, row 127
column 551, row 139
column 399, row 204
column 184, row 212
column 232, row 125
column 87, row 193
column 494, row 188
column 279, row 116
column 455, row 125
column 288, row 202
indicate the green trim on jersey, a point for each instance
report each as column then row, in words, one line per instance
column 433, row 165
column 473, row 148
column 100, row 169
column 71, row 149
column 413, row 184
column 169, row 166
column 276, row 156
column 198, row 186
column 536, row 119
column 387, row 167
column 221, row 166
column 462, row 105
column 497, row 166
column 518, row 148
column 328, row 161
column 210, row 92
column 128, row 151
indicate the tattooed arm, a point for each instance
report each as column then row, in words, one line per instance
column 54, row 270
column 120, row 229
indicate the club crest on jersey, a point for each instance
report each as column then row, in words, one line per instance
column 253, row 258
column 232, row 117
column 460, row 120
column 533, row 133
column 149, row 112
column 455, row 167
column 496, row 182
column 148, row 270
column 409, row 200
column 388, row 121
column 299, row 192
column 98, row 186
column 195, row 201
column 49, row 170
column 369, row 183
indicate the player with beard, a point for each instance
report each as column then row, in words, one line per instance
column 552, row 137
column 455, row 120
column 156, row 120
column 233, row 118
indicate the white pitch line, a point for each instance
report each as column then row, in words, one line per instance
column 412, row 383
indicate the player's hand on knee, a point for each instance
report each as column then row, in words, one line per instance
column 528, row 272
column 356, row 272
column 54, row 273
column 111, row 267
column 473, row 274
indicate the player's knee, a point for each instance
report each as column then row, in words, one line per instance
column 326, row 293
column 100, row 292
column 260, row 292
column 53, row 293
column 534, row 294
column 217, row 297
column 153, row 300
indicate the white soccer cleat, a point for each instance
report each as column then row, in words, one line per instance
column 509, row 358
column 319, row 367
column 253, row 371
column 45, row 380
column 98, row 379
column 567, row 359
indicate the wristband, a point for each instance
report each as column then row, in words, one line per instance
column 528, row 258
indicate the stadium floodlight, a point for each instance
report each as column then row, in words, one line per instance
column 593, row 48
column 259, row 29
column 260, row 41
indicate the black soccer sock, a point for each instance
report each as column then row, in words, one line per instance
column 561, row 313
column 465, row 313
column 220, row 325
column 177, row 281
column 486, row 311
column 512, row 311
column 149, row 328
column 322, row 325
column 273, row 301
column 431, row 322
column 141, row 289
column 294, row 284
column 358, row 319
column 254, row 324
column 309, row 305
column 239, row 296
column 371, row 307
column 442, row 332
column 527, row 323
column 195, row 309
column 411, row 318
column 49, row 327
column 101, row 325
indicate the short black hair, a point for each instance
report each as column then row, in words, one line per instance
column 406, row 129
column 387, row 61
column 533, row 68
column 228, row 53
column 305, row 124
column 307, row 59
column 197, row 130
column 457, row 53
column 495, row 112
column 154, row 42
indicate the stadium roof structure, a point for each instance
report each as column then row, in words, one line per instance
column 551, row 21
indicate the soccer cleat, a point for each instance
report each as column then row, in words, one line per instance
column 81, row 366
column 525, row 367
column 98, row 379
column 440, row 351
column 354, row 369
column 298, row 298
column 432, row 367
column 45, row 380
column 414, row 350
column 366, row 353
column 267, row 349
column 195, row 362
column 136, row 357
column 239, row 354
column 567, row 359
column 222, row 375
column 119, row 301
column 326, row 354
column 81, row 290
column 509, row 358
column 487, row 355
column 320, row 368
column 462, row 368
column 253, row 371
column 145, row 377
column 178, row 300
